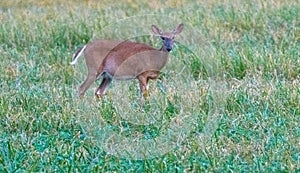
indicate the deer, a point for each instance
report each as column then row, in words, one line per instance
column 131, row 60
column 94, row 54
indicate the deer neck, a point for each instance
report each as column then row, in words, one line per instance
column 164, row 50
column 165, row 56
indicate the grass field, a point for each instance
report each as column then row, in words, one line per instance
column 227, row 101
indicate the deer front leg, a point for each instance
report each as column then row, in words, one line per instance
column 101, row 90
column 143, row 81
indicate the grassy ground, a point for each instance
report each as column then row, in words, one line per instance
column 228, row 100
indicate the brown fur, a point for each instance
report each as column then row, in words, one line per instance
column 124, row 60
column 94, row 54
column 131, row 60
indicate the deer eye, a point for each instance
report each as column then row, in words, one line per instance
column 163, row 38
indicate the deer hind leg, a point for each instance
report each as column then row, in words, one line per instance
column 101, row 90
column 86, row 84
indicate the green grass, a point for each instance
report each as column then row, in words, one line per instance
column 228, row 100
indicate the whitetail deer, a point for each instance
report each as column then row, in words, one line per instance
column 131, row 60
column 94, row 53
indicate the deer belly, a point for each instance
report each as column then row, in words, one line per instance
column 126, row 74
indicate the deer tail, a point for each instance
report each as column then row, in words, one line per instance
column 77, row 55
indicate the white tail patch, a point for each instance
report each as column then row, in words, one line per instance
column 77, row 55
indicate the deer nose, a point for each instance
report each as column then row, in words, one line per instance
column 169, row 49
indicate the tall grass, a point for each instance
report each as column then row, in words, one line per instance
column 228, row 100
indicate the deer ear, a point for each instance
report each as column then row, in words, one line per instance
column 178, row 29
column 156, row 30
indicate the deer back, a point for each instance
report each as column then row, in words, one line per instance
column 129, row 59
